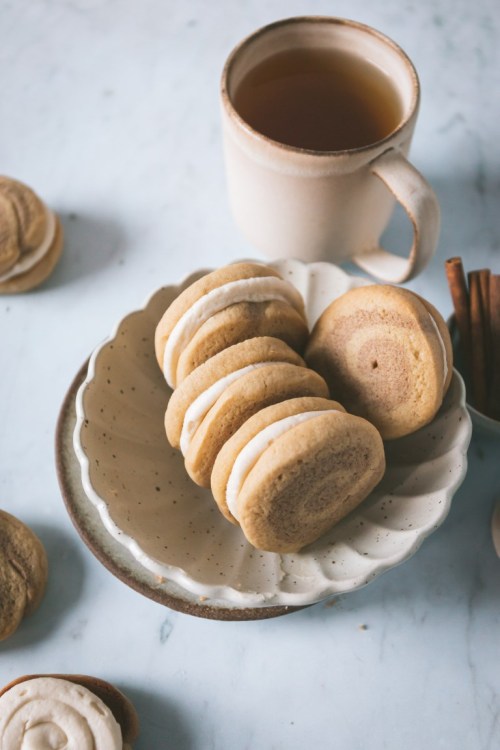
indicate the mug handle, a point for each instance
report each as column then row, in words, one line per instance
column 419, row 201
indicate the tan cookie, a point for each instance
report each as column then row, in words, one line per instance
column 196, row 395
column 239, row 322
column 9, row 242
column 301, row 475
column 219, row 290
column 231, row 449
column 241, row 399
column 36, row 709
column 23, row 573
column 386, row 355
column 31, row 238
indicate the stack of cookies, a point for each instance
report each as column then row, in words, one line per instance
column 251, row 419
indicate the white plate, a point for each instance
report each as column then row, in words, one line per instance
column 172, row 528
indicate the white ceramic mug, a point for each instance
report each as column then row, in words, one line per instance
column 328, row 205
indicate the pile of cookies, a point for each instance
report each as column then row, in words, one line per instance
column 256, row 422
column 251, row 419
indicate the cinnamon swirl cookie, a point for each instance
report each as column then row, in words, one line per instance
column 386, row 355
column 251, row 391
column 76, row 712
column 294, row 470
column 225, row 307
column 23, row 573
column 31, row 238
column 196, row 395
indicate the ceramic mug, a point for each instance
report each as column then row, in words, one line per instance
column 333, row 205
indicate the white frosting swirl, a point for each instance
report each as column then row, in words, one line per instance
column 253, row 450
column 48, row 713
column 256, row 289
column 29, row 260
column 203, row 403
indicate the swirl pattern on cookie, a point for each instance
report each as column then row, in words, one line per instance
column 253, row 450
column 47, row 713
column 386, row 354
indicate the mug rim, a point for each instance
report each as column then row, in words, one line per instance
column 318, row 19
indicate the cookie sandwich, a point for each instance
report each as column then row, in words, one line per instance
column 23, row 573
column 220, row 395
column 31, row 238
column 74, row 711
column 225, row 307
column 294, row 470
column 386, row 355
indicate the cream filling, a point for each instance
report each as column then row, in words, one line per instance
column 257, row 289
column 443, row 348
column 31, row 259
column 253, row 450
column 204, row 402
column 48, row 713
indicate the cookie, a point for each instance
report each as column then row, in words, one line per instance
column 228, row 454
column 239, row 322
column 23, row 573
column 245, row 396
column 299, row 475
column 31, row 238
column 386, row 355
column 76, row 710
column 219, row 290
column 196, row 395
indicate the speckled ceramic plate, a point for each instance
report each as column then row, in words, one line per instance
column 147, row 515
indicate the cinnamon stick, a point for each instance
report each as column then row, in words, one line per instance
column 484, row 283
column 460, row 298
column 494, row 306
column 478, row 348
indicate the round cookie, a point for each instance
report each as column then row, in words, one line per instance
column 31, row 238
column 192, row 399
column 386, row 355
column 232, row 448
column 243, row 398
column 239, row 322
column 308, row 479
column 23, row 573
column 35, row 708
column 240, row 282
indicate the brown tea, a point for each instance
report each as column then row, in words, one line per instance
column 319, row 99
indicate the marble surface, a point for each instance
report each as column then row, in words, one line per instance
column 110, row 111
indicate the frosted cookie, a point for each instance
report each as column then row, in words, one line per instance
column 294, row 470
column 23, row 573
column 228, row 454
column 213, row 293
column 196, row 395
column 386, row 355
column 239, row 322
column 70, row 711
column 245, row 396
column 31, row 238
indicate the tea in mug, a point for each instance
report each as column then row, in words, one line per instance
column 319, row 99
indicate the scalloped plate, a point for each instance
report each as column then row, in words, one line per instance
column 169, row 528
